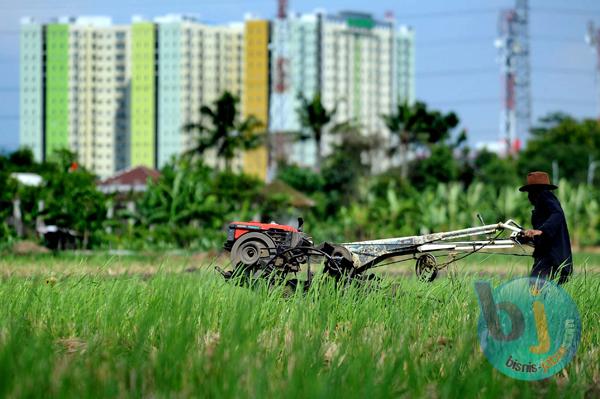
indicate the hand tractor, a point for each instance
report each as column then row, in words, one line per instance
column 275, row 251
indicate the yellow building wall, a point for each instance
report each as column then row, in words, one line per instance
column 256, row 91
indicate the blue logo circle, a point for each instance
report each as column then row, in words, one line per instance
column 528, row 329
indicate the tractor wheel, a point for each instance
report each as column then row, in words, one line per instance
column 250, row 248
column 343, row 264
column 426, row 268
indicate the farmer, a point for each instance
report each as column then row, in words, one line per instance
column 552, row 254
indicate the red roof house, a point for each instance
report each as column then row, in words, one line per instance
column 130, row 180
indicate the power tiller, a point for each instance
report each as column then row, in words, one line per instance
column 278, row 252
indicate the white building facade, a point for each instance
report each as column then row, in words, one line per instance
column 31, row 87
column 77, row 83
column 196, row 64
column 120, row 95
column 98, row 94
column 361, row 66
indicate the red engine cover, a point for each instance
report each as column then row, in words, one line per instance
column 244, row 227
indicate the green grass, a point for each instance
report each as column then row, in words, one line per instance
column 176, row 334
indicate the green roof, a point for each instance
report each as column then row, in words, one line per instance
column 365, row 23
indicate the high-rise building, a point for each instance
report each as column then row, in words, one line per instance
column 222, row 70
column 143, row 93
column 196, row 64
column 405, row 64
column 295, row 67
column 256, row 90
column 180, row 77
column 361, row 66
column 98, row 76
column 121, row 95
column 56, row 96
column 74, row 79
column 31, row 84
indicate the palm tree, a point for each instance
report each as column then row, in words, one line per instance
column 403, row 124
column 315, row 117
column 220, row 128
column 414, row 124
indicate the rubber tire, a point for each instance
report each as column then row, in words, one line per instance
column 261, row 241
column 420, row 269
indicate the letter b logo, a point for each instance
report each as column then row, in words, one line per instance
column 527, row 335
column 491, row 313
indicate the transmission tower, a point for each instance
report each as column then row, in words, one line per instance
column 513, row 43
column 593, row 39
column 281, row 61
column 280, row 87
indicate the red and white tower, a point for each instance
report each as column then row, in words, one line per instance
column 593, row 39
column 280, row 87
column 513, row 44
column 281, row 56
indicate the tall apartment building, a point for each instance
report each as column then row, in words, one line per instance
column 120, row 95
column 361, row 66
column 405, row 64
column 98, row 76
column 196, row 63
column 143, row 59
column 74, row 82
column 31, row 84
column 255, row 100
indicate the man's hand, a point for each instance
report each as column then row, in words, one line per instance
column 532, row 233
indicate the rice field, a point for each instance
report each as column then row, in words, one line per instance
column 163, row 326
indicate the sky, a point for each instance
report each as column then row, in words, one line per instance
column 456, row 62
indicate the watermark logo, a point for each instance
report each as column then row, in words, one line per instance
column 528, row 329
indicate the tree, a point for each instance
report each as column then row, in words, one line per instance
column 21, row 160
column 439, row 167
column 8, row 190
column 498, row 172
column 220, row 128
column 71, row 198
column 573, row 144
column 314, row 117
column 344, row 168
column 61, row 160
column 185, row 205
column 181, row 197
column 302, row 179
column 413, row 124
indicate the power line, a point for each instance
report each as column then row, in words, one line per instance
column 566, row 71
column 420, row 15
column 456, row 72
column 489, row 70
column 458, row 41
column 487, row 41
column 495, row 101
column 543, row 38
column 568, row 101
column 447, row 13
column 565, row 11
column 468, row 101
column 67, row 9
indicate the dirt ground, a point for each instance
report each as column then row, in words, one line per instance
column 105, row 264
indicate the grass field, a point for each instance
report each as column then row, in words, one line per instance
column 81, row 326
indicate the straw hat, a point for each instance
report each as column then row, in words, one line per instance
column 539, row 181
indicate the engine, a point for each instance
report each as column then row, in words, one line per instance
column 267, row 247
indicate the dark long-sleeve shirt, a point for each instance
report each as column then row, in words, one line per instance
column 553, row 246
